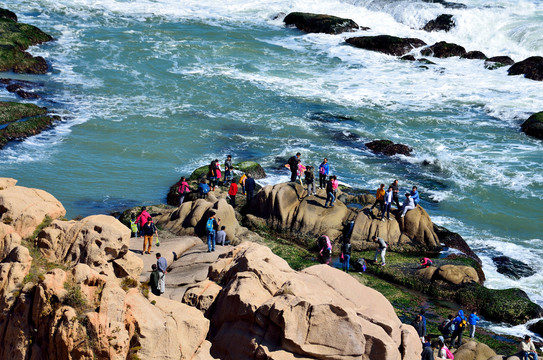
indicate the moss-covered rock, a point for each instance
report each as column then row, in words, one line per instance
column 252, row 167
column 18, row 121
column 497, row 62
column 534, row 125
column 7, row 14
column 444, row 49
column 320, row 23
column 12, row 111
column 387, row 44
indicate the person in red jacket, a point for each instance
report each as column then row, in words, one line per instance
column 232, row 191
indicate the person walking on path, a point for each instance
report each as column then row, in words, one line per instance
column 310, row 181
column 346, row 254
column 330, row 192
column 419, row 327
column 415, row 196
column 162, row 266
column 211, row 229
column 228, row 170
column 527, row 348
column 472, row 323
column 388, row 203
column 408, row 204
column 203, row 189
column 460, row 323
column 148, row 230
column 232, row 192
column 382, row 249
column 395, row 193
column 221, row 236
column 154, row 280
column 379, row 200
column 183, row 189
column 250, row 187
column 293, row 166
column 142, row 219
column 324, row 170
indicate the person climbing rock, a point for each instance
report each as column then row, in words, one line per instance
column 379, row 200
column 382, row 249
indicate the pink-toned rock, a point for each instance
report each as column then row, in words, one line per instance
column 202, row 295
column 7, row 183
column 8, row 240
column 26, row 208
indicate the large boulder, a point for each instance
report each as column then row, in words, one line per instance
column 458, row 274
column 319, row 23
column 531, row 68
column 387, row 44
column 497, row 62
column 443, row 49
column 537, row 327
column 268, row 310
column 388, row 148
column 7, row 14
column 99, row 241
column 472, row 350
column 25, row 208
column 7, row 183
column 533, row 126
column 513, row 268
column 443, row 22
column 474, row 55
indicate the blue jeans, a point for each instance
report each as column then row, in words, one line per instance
column 386, row 209
column 346, row 262
column 211, row 239
column 528, row 355
column 330, row 196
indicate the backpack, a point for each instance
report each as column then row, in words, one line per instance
column 322, row 171
column 209, row 225
column 449, row 354
column 462, row 324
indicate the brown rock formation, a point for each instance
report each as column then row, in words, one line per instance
column 474, row 351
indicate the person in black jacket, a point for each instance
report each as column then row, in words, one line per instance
column 418, row 324
column 428, row 351
column 250, row 186
column 293, row 164
column 346, row 252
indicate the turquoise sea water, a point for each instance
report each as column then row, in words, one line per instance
column 149, row 90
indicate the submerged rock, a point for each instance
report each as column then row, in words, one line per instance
column 319, row 23
column 474, row 55
column 387, row 44
column 447, row 4
column 497, row 62
column 443, row 22
column 534, row 125
column 444, row 49
column 531, row 68
column 388, row 148
column 512, row 268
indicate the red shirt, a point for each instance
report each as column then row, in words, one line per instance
column 233, row 189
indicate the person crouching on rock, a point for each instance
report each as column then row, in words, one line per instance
column 382, row 249
column 425, row 262
column 154, row 280
column 527, row 349
column 148, row 230
column 221, row 236
column 325, row 246
column 408, row 204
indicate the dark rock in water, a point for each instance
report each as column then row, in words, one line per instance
column 426, row 61
column 447, row 4
column 497, row 62
column 534, row 125
column 531, row 68
column 474, row 55
column 388, row 148
column 6, row 14
column 537, row 327
column 319, row 23
column 387, row 44
column 444, row 49
column 455, row 241
column 328, row 118
column 443, row 22
column 408, row 58
column 21, row 87
column 512, row 268
column 345, row 136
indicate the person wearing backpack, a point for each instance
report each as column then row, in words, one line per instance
column 182, row 189
column 211, row 229
column 447, row 326
column 346, row 254
column 293, row 166
column 460, row 323
column 324, row 170
column 444, row 352
column 428, row 350
column 148, row 230
column 472, row 323
column 203, row 189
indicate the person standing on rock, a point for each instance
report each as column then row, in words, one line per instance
column 460, row 323
column 242, row 180
column 232, row 192
column 324, row 170
column 382, row 249
column 472, row 323
column 221, row 236
column 310, row 181
column 162, row 266
column 211, row 228
column 415, row 196
column 301, row 171
column 330, row 193
column 379, row 200
column 418, row 324
column 228, row 170
column 335, row 185
column 408, row 204
column 183, row 189
column 527, row 349
column 395, row 193
column 154, row 280
column 218, row 171
column 148, row 230
column 388, row 203
column 346, row 253
column 250, row 187
column 142, row 219
column 212, row 175
column 293, row 166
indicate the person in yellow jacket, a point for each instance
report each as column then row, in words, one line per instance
column 379, row 199
column 242, row 183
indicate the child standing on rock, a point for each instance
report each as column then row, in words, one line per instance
column 310, row 181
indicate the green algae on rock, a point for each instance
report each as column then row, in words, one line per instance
column 18, row 121
column 534, row 125
column 320, row 23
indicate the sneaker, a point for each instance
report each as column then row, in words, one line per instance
column 383, row 219
column 388, row 218
column 402, row 215
column 383, row 264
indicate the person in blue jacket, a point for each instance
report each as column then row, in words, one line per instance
column 472, row 322
column 324, row 170
column 459, row 322
column 415, row 196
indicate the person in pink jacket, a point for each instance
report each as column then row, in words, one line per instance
column 142, row 219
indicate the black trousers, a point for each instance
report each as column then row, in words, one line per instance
column 322, row 181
